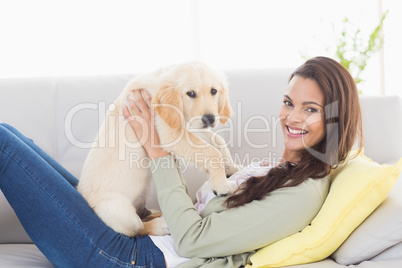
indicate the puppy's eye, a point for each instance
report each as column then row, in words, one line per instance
column 213, row 91
column 191, row 94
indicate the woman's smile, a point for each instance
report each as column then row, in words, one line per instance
column 296, row 132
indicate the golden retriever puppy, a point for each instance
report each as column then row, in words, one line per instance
column 189, row 99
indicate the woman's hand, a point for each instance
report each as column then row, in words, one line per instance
column 141, row 119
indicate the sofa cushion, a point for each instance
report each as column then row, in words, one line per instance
column 382, row 230
column 381, row 115
column 22, row 256
column 392, row 253
column 11, row 230
column 356, row 191
column 380, row 264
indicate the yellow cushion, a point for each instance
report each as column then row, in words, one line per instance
column 357, row 189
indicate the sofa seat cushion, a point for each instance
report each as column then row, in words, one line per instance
column 22, row 256
column 392, row 253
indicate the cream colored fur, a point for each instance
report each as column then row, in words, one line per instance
column 115, row 186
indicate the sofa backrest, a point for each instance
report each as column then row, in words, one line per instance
column 62, row 115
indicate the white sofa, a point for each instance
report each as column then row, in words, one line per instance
column 62, row 115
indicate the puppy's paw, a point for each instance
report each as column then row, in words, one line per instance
column 157, row 226
column 232, row 169
column 225, row 188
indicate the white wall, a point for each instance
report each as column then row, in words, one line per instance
column 80, row 37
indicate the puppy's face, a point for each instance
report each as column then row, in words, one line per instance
column 200, row 95
column 201, row 103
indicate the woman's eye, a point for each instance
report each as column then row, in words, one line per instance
column 312, row 110
column 191, row 94
column 213, row 91
column 287, row 103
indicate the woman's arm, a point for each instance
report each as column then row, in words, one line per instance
column 234, row 231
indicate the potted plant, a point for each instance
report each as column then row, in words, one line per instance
column 353, row 50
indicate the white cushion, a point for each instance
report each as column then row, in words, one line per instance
column 11, row 230
column 28, row 105
column 380, row 231
column 22, row 256
column 380, row 264
column 382, row 119
column 392, row 253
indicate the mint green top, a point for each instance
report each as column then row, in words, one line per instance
column 222, row 237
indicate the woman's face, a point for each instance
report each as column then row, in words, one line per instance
column 302, row 116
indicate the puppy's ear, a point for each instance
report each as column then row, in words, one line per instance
column 169, row 106
column 224, row 109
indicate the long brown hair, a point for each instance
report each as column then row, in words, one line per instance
column 343, row 126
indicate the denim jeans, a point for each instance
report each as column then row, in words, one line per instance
column 57, row 218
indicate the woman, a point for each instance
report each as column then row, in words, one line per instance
column 282, row 200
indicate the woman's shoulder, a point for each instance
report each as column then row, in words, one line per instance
column 319, row 188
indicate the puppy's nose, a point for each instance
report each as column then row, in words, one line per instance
column 208, row 119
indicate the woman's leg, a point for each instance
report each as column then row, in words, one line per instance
column 57, row 218
column 60, row 169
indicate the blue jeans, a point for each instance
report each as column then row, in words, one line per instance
column 57, row 218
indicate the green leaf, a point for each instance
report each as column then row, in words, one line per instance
column 352, row 51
